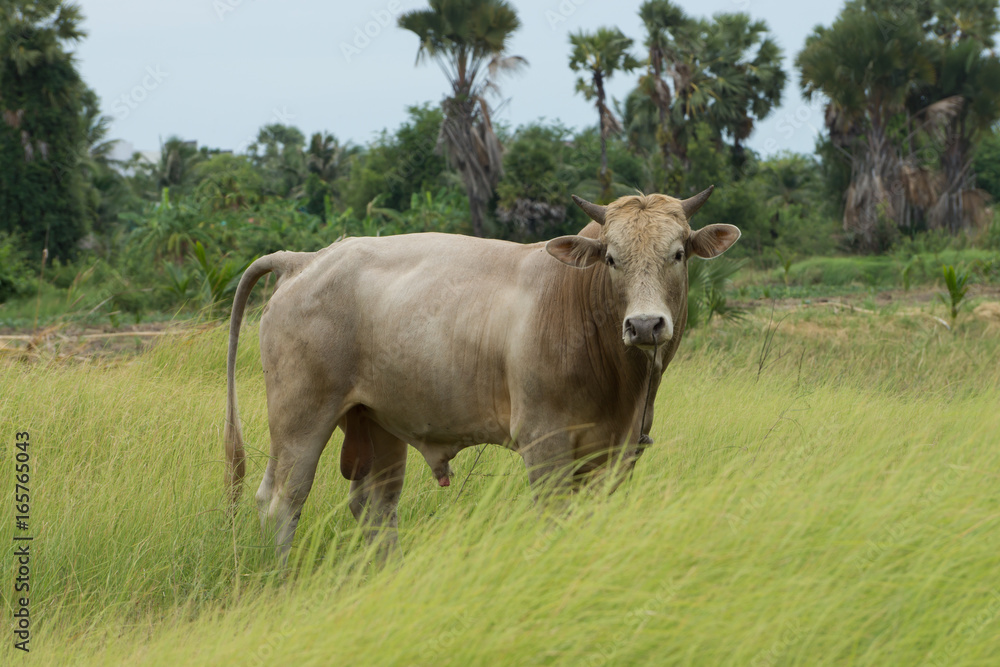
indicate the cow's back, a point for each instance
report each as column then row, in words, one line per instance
column 417, row 327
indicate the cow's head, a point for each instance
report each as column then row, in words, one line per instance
column 645, row 242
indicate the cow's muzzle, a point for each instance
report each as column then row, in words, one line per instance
column 647, row 331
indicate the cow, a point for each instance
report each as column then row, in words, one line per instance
column 442, row 341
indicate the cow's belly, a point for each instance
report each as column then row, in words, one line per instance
column 430, row 349
column 433, row 382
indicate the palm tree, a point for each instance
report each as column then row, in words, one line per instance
column 726, row 73
column 106, row 190
column 666, row 24
column 867, row 79
column 177, row 162
column 278, row 153
column 42, row 188
column 326, row 157
column 469, row 39
column 790, row 179
column 747, row 78
column 966, row 73
column 911, row 89
column 599, row 55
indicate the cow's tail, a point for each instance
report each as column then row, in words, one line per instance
column 279, row 263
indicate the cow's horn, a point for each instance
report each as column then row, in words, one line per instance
column 692, row 204
column 595, row 212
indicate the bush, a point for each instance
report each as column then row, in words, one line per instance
column 957, row 282
column 708, row 283
column 14, row 280
column 888, row 270
column 740, row 204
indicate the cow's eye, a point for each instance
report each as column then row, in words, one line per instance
column 610, row 260
column 679, row 255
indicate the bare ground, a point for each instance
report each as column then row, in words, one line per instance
column 68, row 341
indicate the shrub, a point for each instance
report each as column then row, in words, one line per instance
column 957, row 283
column 14, row 279
column 708, row 283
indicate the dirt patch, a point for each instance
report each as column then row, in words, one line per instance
column 66, row 341
column 913, row 297
column 989, row 311
column 816, row 330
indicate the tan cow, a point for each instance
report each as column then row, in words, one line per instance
column 447, row 341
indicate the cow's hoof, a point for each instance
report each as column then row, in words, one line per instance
column 644, row 439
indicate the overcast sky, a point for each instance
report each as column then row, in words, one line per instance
column 217, row 70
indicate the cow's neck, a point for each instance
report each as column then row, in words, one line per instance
column 626, row 367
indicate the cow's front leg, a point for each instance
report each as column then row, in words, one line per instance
column 374, row 497
column 549, row 460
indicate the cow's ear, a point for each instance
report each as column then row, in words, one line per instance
column 576, row 251
column 713, row 240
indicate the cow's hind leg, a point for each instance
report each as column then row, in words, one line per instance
column 299, row 433
column 374, row 497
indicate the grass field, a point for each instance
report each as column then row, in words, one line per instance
column 835, row 503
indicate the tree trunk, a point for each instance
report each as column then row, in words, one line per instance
column 662, row 99
column 472, row 149
column 602, row 176
column 477, row 211
column 952, row 211
column 875, row 196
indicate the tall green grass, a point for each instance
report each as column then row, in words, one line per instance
column 834, row 503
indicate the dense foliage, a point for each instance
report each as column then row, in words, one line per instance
column 43, row 149
column 912, row 88
column 141, row 236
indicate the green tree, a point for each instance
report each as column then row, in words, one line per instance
column 725, row 72
column 532, row 193
column 176, row 168
column 599, row 55
column 912, row 88
column 746, row 78
column 327, row 163
column 789, row 179
column 228, row 182
column 398, row 165
column 866, row 68
column 987, row 164
column 964, row 71
column 42, row 187
column 326, row 157
column 165, row 230
column 107, row 191
column 279, row 154
column 469, row 40
column 666, row 24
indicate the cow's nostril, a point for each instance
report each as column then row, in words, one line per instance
column 646, row 329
